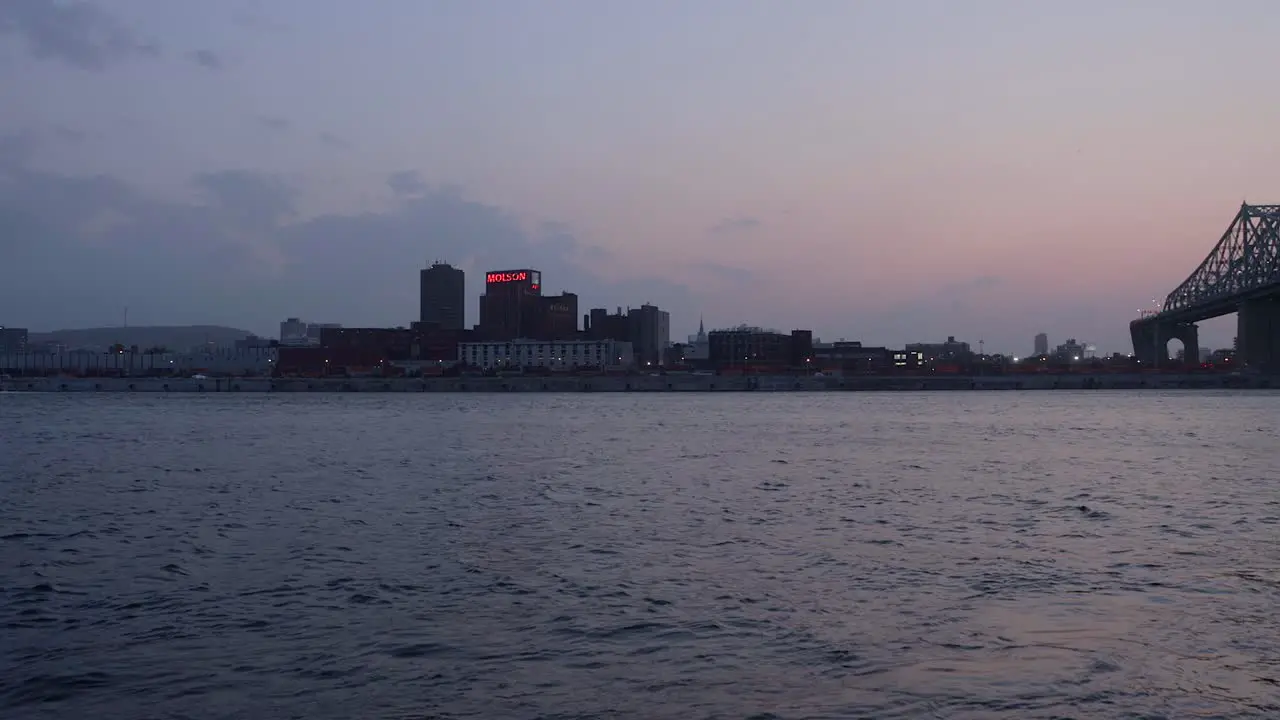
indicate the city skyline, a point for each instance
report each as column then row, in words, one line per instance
column 1030, row 170
column 442, row 299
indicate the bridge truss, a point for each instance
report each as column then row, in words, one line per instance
column 1246, row 259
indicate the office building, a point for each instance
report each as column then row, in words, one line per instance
column 293, row 332
column 442, row 293
column 555, row 355
column 314, row 331
column 296, row 332
column 951, row 351
column 13, row 340
column 1072, row 351
column 753, row 349
column 650, row 330
column 600, row 324
column 510, row 307
column 1042, row 344
column 363, row 350
column 851, row 357
column 557, row 317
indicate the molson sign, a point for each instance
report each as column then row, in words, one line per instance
column 532, row 277
column 506, row 277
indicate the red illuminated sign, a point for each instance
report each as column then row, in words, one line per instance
column 506, row 277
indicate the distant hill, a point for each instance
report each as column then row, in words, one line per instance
column 178, row 337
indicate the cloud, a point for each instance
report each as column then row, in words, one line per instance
column 207, row 59
column 725, row 273
column 406, row 183
column 18, row 149
column 66, row 135
column 77, row 33
column 334, row 141
column 595, row 256
column 271, row 122
column 254, row 20
column 249, row 198
column 78, row 248
column 731, row 226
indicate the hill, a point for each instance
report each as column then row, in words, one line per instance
column 176, row 337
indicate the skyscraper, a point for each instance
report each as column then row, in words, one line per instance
column 650, row 333
column 443, row 296
column 1042, row 344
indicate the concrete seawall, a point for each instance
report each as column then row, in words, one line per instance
column 668, row 383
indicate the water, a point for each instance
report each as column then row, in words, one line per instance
column 949, row 555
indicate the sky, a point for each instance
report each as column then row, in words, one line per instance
column 888, row 172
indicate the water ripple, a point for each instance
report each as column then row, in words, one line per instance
column 957, row 555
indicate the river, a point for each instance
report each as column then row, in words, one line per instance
column 797, row 555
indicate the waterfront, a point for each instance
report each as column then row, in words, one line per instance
column 645, row 383
column 958, row 555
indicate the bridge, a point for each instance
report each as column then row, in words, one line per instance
column 1242, row 276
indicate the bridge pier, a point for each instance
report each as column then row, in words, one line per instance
column 1151, row 341
column 1258, row 334
column 1240, row 276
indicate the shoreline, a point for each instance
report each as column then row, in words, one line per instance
column 646, row 383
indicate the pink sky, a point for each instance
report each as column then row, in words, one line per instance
column 882, row 171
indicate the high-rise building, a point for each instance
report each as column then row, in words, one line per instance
column 650, row 333
column 13, row 340
column 293, row 332
column 557, row 317
column 442, row 292
column 511, row 304
column 601, row 325
column 1042, row 344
